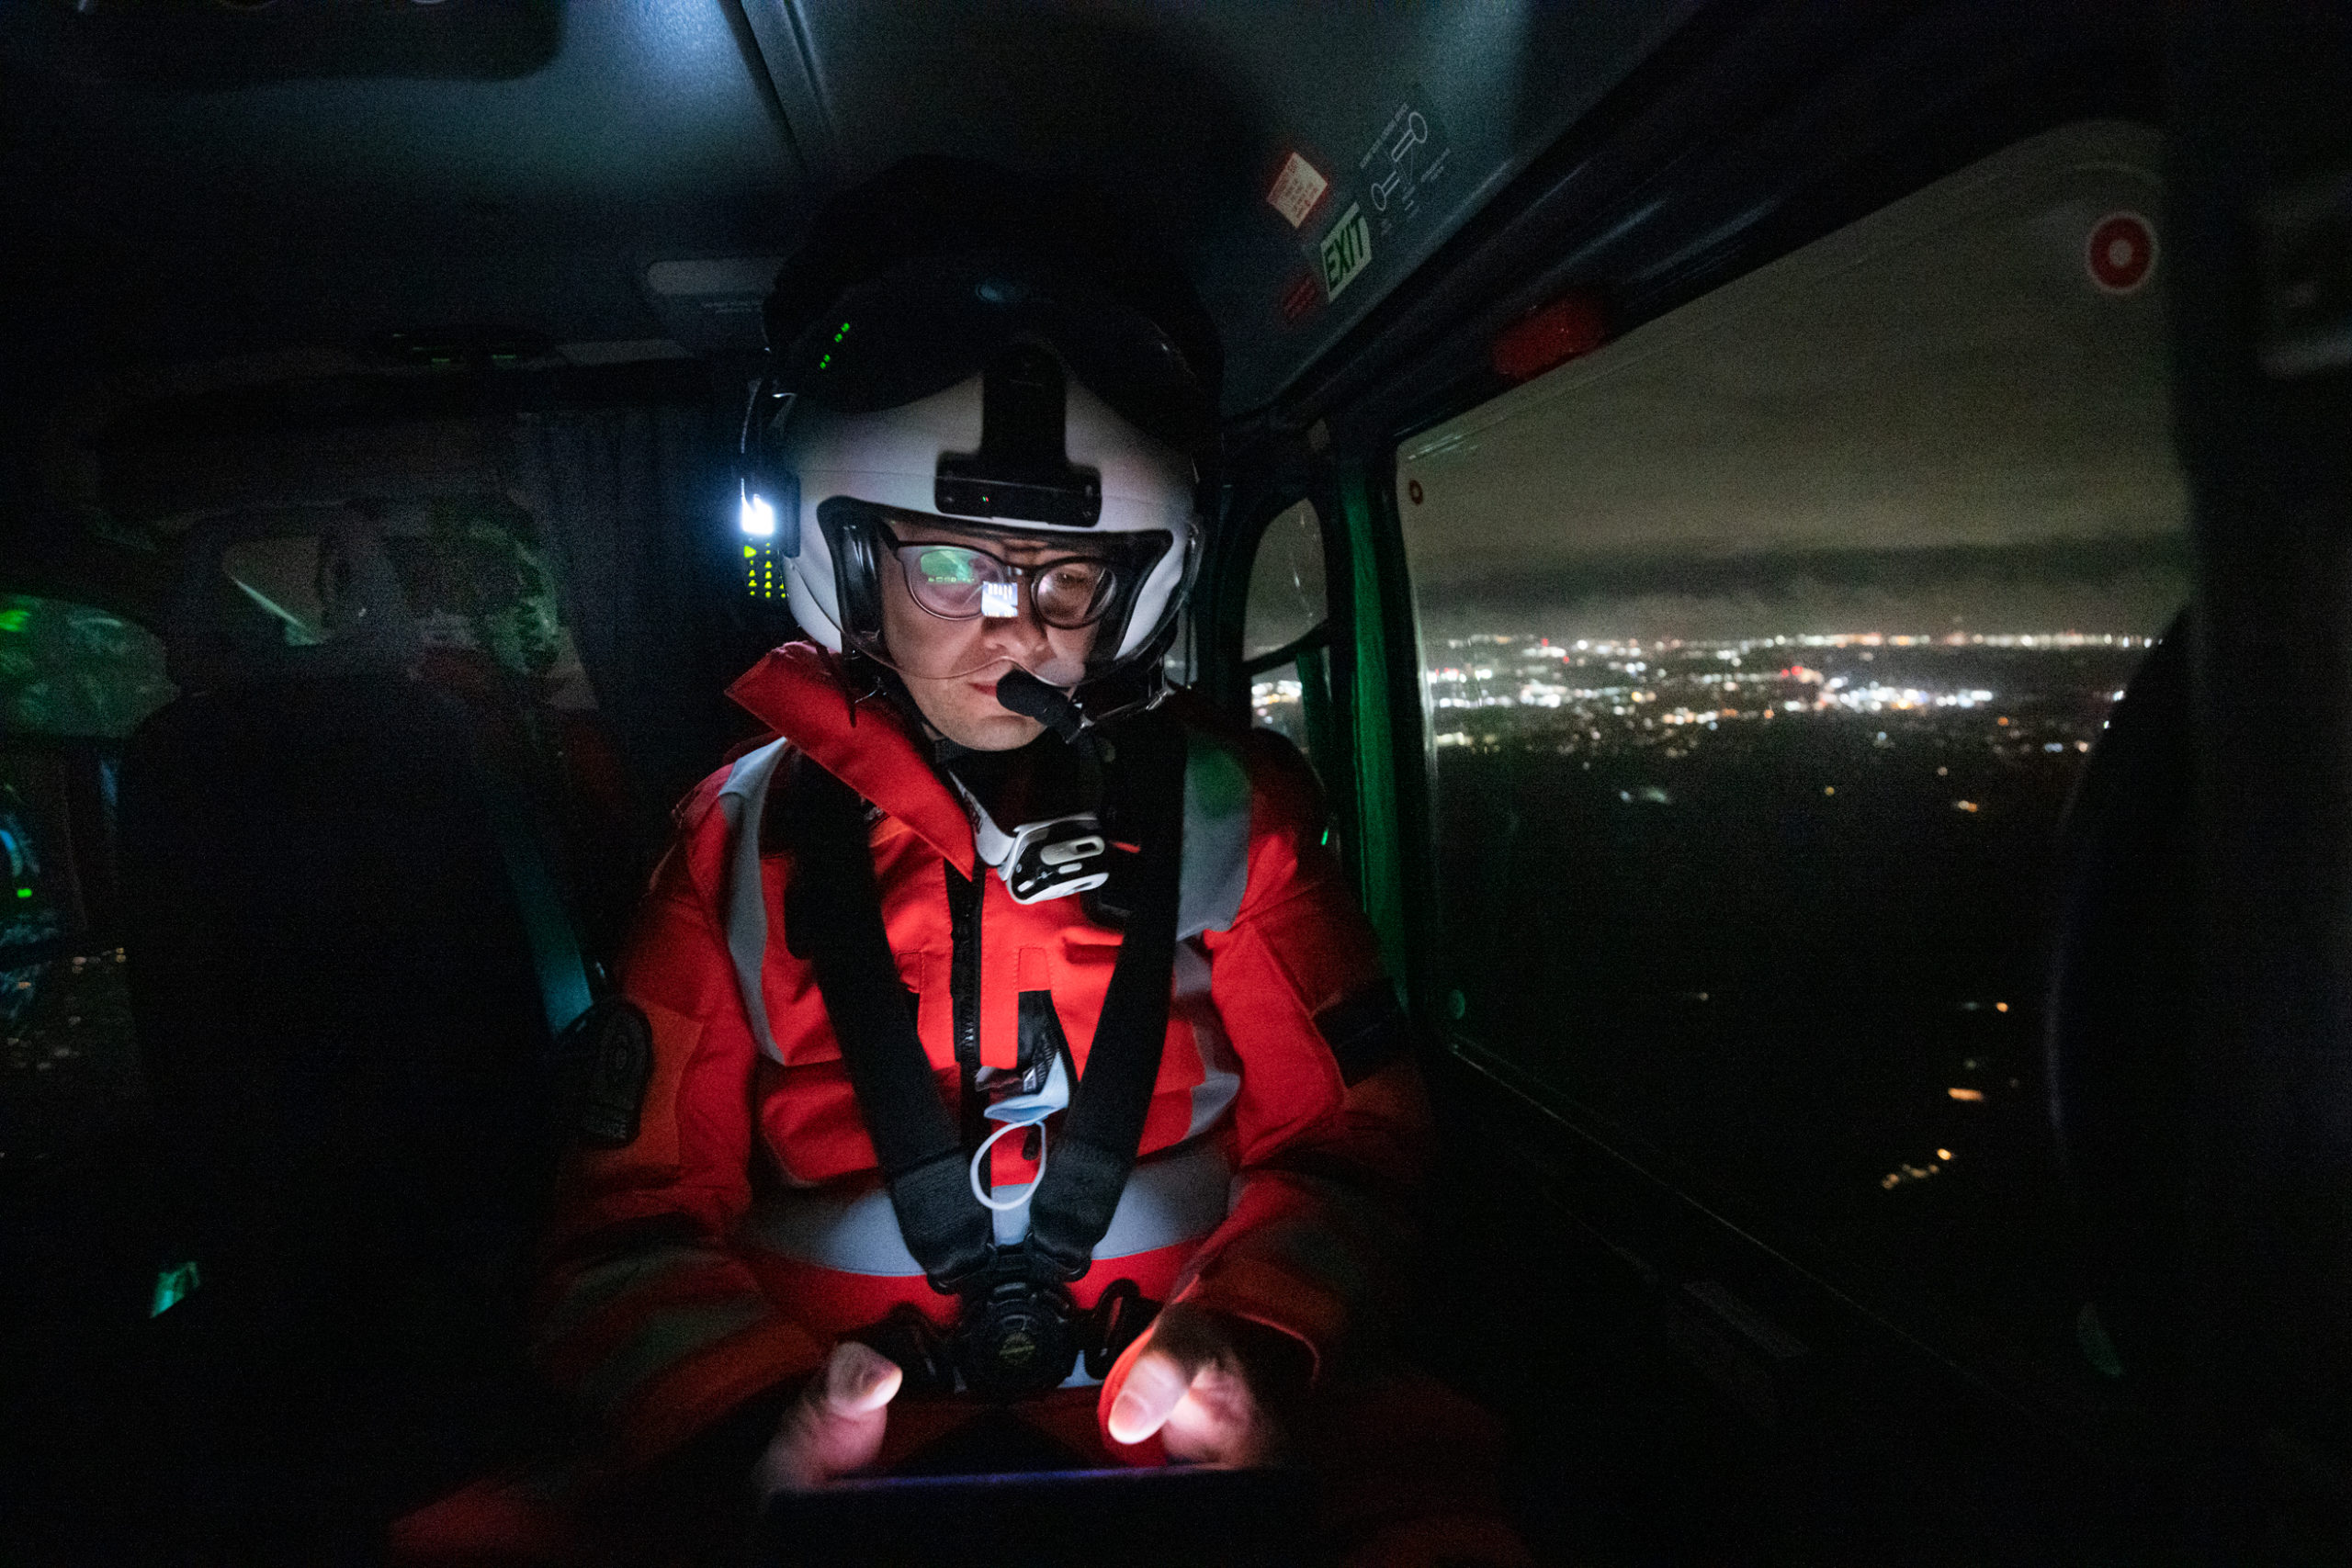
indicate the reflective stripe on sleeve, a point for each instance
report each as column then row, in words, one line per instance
column 742, row 799
column 1217, row 837
column 600, row 1285
column 666, row 1340
column 1220, row 1070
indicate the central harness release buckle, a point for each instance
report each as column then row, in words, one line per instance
column 1014, row 1339
column 1017, row 1338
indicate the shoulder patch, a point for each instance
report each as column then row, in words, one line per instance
column 1217, row 836
column 608, row 1064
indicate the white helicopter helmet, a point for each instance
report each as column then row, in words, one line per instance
column 995, row 387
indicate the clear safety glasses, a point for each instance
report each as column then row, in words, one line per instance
column 961, row 582
column 935, row 610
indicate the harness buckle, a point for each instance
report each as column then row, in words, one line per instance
column 924, row 1354
column 1016, row 1339
column 1055, row 857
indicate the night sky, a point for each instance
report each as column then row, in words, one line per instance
column 1934, row 420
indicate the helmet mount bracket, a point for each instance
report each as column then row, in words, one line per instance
column 1023, row 469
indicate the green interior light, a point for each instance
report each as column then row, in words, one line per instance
column 174, row 1286
column 24, row 892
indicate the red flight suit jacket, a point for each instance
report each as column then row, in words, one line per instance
column 745, row 1229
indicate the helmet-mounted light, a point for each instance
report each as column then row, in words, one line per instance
column 767, row 512
column 757, row 516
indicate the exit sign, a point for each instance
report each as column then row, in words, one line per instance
column 1347, row 251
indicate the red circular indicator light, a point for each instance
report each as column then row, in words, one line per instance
column 2121, row 252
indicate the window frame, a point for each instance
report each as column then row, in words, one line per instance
column 1548, row 1133
column 1319, row 714
column 1226, row 674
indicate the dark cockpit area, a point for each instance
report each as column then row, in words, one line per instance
column 1799, row 541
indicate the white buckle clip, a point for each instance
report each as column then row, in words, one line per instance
column 1055, row 857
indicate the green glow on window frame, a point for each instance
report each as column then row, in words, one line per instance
column 174, row 1286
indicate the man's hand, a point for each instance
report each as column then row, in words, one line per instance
column 1211, row 1386
column 835, row 1426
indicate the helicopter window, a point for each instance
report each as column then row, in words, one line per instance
column 1285, row 635
column 1759, row 651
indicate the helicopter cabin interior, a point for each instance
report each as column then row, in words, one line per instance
column 1804, row 540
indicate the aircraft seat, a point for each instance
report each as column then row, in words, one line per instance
column 339, row 1009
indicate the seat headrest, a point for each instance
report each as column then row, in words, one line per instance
column 209, row 643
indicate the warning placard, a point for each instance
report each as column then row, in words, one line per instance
column 1303, row 295
column 1298, row 190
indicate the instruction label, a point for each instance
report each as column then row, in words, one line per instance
column 1409, row 156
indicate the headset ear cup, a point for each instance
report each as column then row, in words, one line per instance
column 857, row 587
column 787, row 511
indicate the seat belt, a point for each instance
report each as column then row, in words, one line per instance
column 835, row 917
column 566, row 990
column 599, row 1056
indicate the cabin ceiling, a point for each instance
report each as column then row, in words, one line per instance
column 201, row 180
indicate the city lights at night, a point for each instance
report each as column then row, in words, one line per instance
column 1591, row 696
column 1726, row 887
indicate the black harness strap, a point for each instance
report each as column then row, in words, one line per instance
column 1088, row 1165
column 964, row 896
column 835, row 916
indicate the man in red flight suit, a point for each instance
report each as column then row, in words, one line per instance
column 975, row 467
